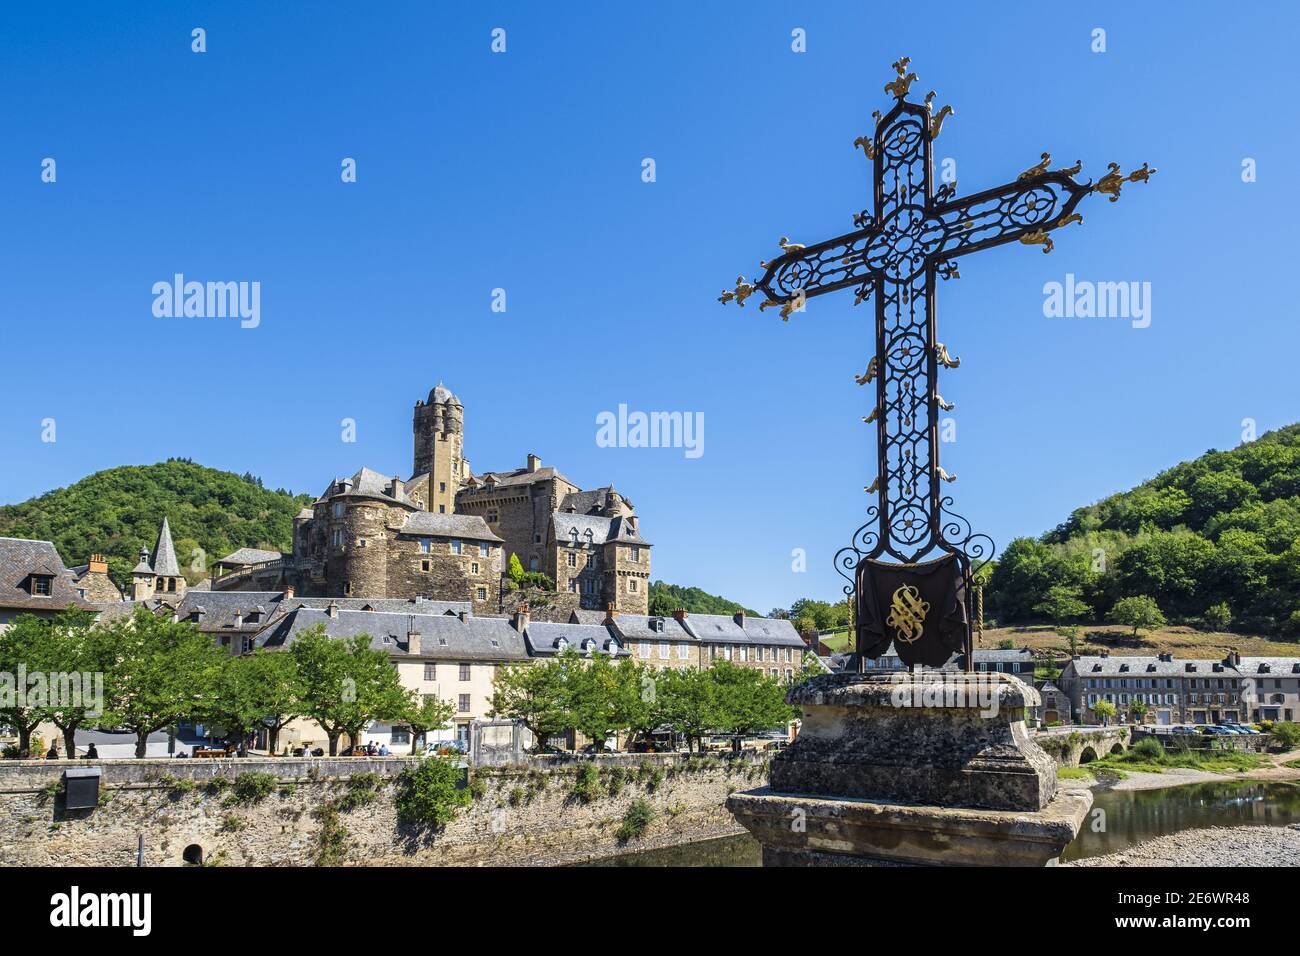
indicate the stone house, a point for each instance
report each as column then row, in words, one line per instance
column 454, row 656
column 34, row 580
column 1271, row 687
column 1173, row 691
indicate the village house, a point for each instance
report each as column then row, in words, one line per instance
column 1169, row 690
column 33, row 580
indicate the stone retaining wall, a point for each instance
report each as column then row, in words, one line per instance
column 522, row 815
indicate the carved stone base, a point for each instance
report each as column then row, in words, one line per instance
column 817, row 831
column 912, row 769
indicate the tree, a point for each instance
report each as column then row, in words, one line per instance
column 162, row 672
column 25, row 647
column 536, row 694
column 1062, row 604
column 1218, row 616
column 346, row 684
column 603, row 698
column 1138, row 613
column 425, row 714
column 79, row 653
column 747, row 701
column 1105, row 710
column 1139, row 709
column 515, row 569
column 259, row 690
column 1071, row 635
column 687, row 699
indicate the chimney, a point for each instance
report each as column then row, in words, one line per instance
column 332, row 610
column 413, row 642
column 288, row 592
column 739, row 618
column 239, row 619
column 680, row 615
column 811, row 638
column 97, row 565
column 1233, row 659
column 520, row 620
column 1105, row 654
column 534, row 463
column 399, row 487
column 610, row 614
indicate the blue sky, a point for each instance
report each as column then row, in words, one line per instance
column 522, row 171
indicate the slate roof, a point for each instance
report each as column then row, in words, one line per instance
column 1002, row 655
column 387, row 605
column 220, row 608
column 250, row 556
column 1270, row 666
column 441, row 637
column 366, row 483
column 520, row 476
column 723, row 629
column 641, row 627
column 546, row 638
column 19, row 558
column 1147, row 666
column 603, row 530
column 471, row 527
column 164, row 554
column 586, row 616
column 589, row 502
column 441, row 393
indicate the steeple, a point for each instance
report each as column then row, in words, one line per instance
column 164, row 554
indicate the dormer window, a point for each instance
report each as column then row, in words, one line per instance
column 42, row 585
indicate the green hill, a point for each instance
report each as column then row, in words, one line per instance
column 666, row 598
column 115, row 512
column 1214, row 540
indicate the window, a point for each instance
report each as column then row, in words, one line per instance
column 480, row 594
column 643, row 649
column 464, row 672
column 573, row 559
column 401, row 735
column 532, row 562
column 682, row 652
column 464, row 703
column 338, row 509
column 42, row 584
column 636, row 554
column 455, row 546
column 573, row 586
column 442, row 509
column 473, row 567
column 426, row 544
column 430, row 671
column 347, row 588
column 537, row 539
column 483, row 549
column 424, row 565
column 492, row 519
column 442, row 486
column 361, row 542
column 632, row 585
column 663, row 650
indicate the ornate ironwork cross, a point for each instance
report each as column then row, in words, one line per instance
column 913, row 236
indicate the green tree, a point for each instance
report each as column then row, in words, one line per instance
column 515, row 569
column 1071, row 635
column 1104, row 709
column 346, row 684
column 430, row 793
column 1139, row 710
column 747, row 701
column 603, row 698
column 26, row 646
column 256, row 691
column 162, row 672
column 537, row 694
column 1062, row 604
column 77, row 648
column 1139, row 613
column 688, row 703
column 1218, row 616
column 426, row 714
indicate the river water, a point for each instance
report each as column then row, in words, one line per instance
column 1126, row 817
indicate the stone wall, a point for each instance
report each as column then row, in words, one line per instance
column 524, row 815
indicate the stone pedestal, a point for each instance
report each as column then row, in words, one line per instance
column 912, row 769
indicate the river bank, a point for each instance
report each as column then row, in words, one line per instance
column 1210, row 846
column 1179, row 776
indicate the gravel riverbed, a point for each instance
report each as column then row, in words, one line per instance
column 1211, row 846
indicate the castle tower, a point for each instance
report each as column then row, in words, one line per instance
column 439, row 426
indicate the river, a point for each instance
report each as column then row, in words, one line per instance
column 1126, row 817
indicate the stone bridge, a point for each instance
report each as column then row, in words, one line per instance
column 1072, row 746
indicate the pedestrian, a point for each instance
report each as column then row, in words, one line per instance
column 92, row 753
column 54, row 752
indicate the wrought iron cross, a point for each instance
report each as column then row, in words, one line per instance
column 913, row 236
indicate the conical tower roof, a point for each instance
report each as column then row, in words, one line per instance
column 164, row 554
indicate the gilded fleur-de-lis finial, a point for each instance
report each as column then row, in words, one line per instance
column 936, row 121
column 866, row 377
column 1036, row 170
column 943, row 474
column 946, row 360
column 788, row 246
column 868, row 145
column 742, row 292
column 903, row 82
column 946, row 406
column 875, row 413
column 1038, row 238
column 786, row 307
column 1113, row 181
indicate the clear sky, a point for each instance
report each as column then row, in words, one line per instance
column 523, row 171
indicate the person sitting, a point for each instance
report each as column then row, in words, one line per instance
column 383, row 750
column 54, row 752
column 92, row 753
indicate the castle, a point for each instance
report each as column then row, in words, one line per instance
column 448, row 534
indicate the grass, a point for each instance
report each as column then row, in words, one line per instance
column 1293, row 764
column 1178, row 640
column 1073, row 773
column 1157, row 760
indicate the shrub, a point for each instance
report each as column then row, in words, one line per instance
column 1286, row 733
column 614, row 777
column 1148, row 748
column 363, row 788
column 635, row 822
column 585, row 783
column 652, row 775
column 252, row 787
column 428, row 793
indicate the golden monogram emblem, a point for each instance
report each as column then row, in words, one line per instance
column 907, row 614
